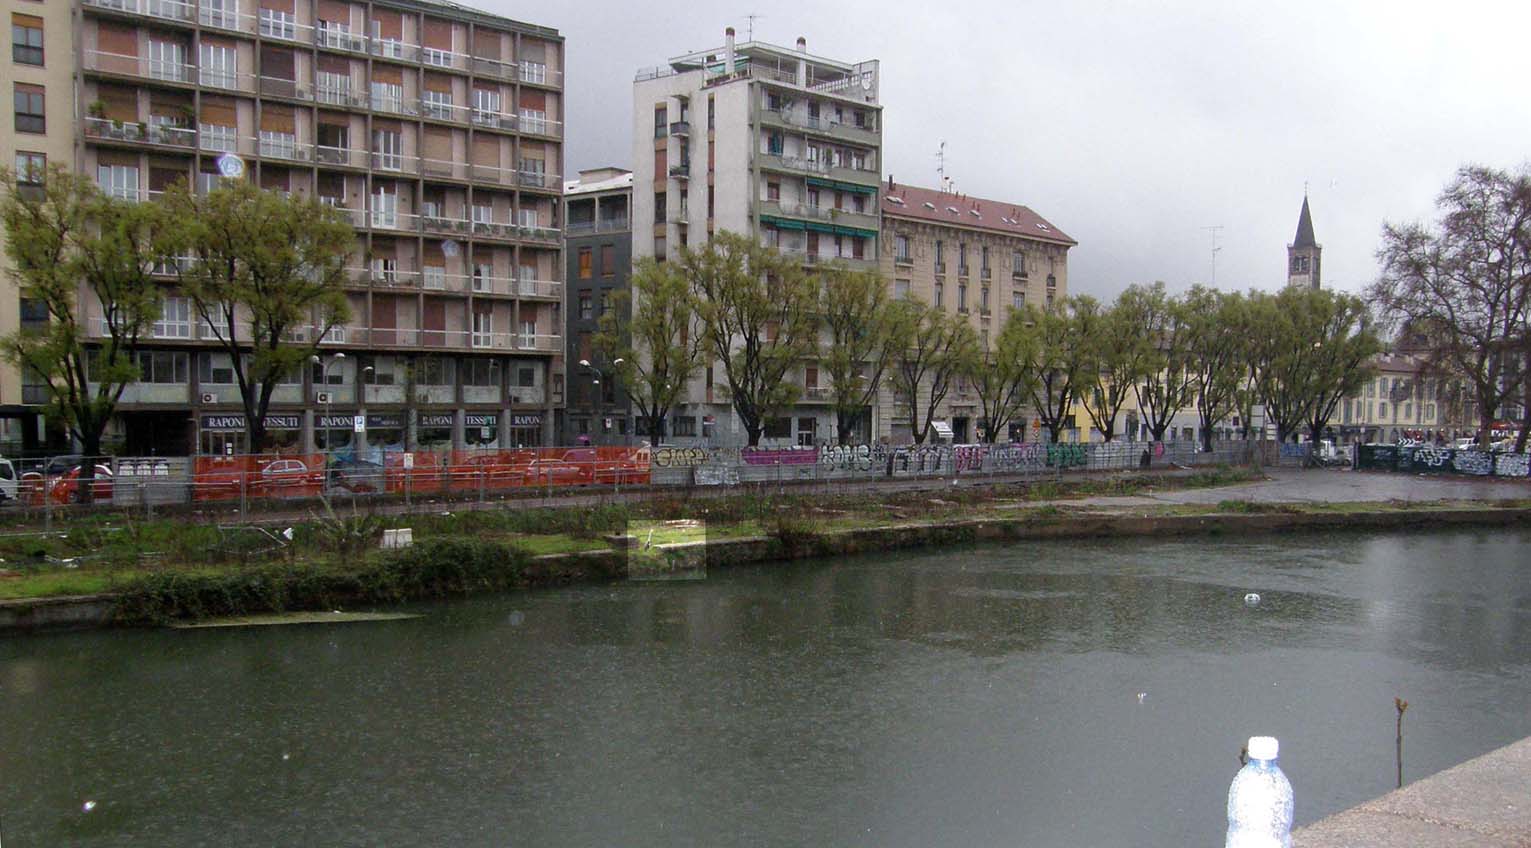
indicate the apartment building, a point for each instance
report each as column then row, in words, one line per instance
column 775, row 143
column 436, row 128
column 598, row 237
column 39, row 76
column 979, row 258
column 1403, row 402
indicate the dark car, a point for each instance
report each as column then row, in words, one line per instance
column 356, row 475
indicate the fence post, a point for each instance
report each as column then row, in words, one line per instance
column 143, row 495
column 407, row 478
column 244, row 480
column 481, row 484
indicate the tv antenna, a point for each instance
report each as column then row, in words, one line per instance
column 1214, row 231
column 941, row 165
column 752, row 17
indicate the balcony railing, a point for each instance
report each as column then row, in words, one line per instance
column 169, row 10
column 606, row 225
column 137, row 66
column 680, row 128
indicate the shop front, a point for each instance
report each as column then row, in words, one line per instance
column 224, row 435
column 385, row 431
column 433, row 431
column 526, row 429
column 335, row 432
column 481, row 430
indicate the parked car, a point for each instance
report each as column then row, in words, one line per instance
column 289, row 478
column 8, row 481
column 64, row 488
column 555, row 472
column 356, row 475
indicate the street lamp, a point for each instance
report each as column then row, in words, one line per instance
column 596, row 380
column 324, row 376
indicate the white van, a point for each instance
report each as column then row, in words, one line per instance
column 7, row 481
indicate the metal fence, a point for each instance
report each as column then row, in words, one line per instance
column 1432, row 459
column 48, row 487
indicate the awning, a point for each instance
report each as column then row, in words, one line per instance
column 822, row 228
column 943, row 429
column 781, row 223
column 857, row 188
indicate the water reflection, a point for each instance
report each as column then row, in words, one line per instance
column 967, row 696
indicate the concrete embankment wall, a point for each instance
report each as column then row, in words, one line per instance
column 598, row 566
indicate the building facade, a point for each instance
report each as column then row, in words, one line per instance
column 1403, row 402
column 980, row 258
column 771, row 142
column 437, row 129
column 598, row 239
column 41, row 132
column 1304, row 255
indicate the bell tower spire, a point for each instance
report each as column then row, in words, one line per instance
column 1304, row 253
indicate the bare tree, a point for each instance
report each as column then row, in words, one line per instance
column 1461, row 288
column 935, row 346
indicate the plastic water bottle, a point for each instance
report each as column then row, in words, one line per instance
column 1260, row 800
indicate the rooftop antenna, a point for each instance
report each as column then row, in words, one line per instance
column 751, row 30
column 941, row 165
column 1214, row 231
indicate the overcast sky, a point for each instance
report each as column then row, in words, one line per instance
column 1132, row 126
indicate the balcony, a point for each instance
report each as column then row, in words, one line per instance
column 680, row 128
column 605, row 225
column 984, row 273
column 180, row 11
column 139, row 67
column 792, row 119
column 681, row 172
column 339, row 38
column 843, row 217
column 940, row 267
column 816, row 394
column 962, row 270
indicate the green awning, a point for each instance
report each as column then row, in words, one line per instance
column 854, row 231
column 781, row 223
column 822, row 228
column 820, row 182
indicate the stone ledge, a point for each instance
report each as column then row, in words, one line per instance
column 1482, row 802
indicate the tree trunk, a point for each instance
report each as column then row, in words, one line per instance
column 1157, row 430
column 85, row 489
column 753, row 434
column 842, row 430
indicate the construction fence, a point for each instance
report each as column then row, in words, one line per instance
column 1435, row 459
column 129, row 482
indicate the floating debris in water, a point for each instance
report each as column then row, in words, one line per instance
column 1141, row 696
column 88, row 806
column 286, row 757
column 1252, row 599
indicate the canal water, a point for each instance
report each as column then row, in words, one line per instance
column 1064, row 694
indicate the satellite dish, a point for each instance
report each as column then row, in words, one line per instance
column 449, row 248
column 231, row 166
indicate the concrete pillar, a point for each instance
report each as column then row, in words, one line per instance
column 458, row 416
column 310, row 444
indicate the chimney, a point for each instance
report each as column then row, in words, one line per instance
column 890, row 182
column 728, row 51
column 802, row 63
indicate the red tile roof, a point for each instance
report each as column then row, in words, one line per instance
column 928, row 204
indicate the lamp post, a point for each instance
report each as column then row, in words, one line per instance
column 324, row 377
column 596, row 380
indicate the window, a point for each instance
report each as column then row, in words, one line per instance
column 219, row 65
column 939, row 294
column 1018, row 300
column 279, row 145
column 30, row 168
column 534, row 121
column 483, row 214
column 940, row 256
column 333, row 87
column 962, row 297
column 901, row 249
column 437, row 104
column 219, row 138
column 119, row 181
column 608, row 260
column 983, row 300
column 162, row 366
column 483, row 329
column 684, row 425
column 1018, row 263
column 486, row 106
column 661, row 206
column 661, row 125
column 774, row 144
column 215, row 369
column 585, row 311
column 387, row 96
column 605, row 301
column 386, row 148
column 175, row 319
column 481, row 372
column 278, row 24
column 712, row 109
column 901, row 289
column 586, row 256
column 962, row 258
column 983, row 262
column 528, row 333
column 30, row 114
column 385, row 207
column 26, row 40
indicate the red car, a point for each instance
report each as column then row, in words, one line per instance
column 64, row 488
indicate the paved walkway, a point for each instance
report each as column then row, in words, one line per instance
column 1291, row 485
column 1482, row 803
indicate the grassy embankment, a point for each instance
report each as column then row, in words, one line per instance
column 168, row 569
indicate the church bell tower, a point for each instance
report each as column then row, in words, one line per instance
column 1303, row 254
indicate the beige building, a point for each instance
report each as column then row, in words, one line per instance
column 980, row 258
column 776, row 143
column 1400, row 403
column 40, row 74
column 436, row 128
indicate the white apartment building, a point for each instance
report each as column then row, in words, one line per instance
column 767, row 141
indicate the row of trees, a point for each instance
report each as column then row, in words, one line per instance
column 264, row 271
column 758, row 316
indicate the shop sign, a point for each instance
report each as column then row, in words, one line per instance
column 436, row 419
column 337, row 422
column 237, row 422
column 534, row 420
column 475, row 419
column 386, row 421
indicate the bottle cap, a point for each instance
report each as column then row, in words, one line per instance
column 1263, row 747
